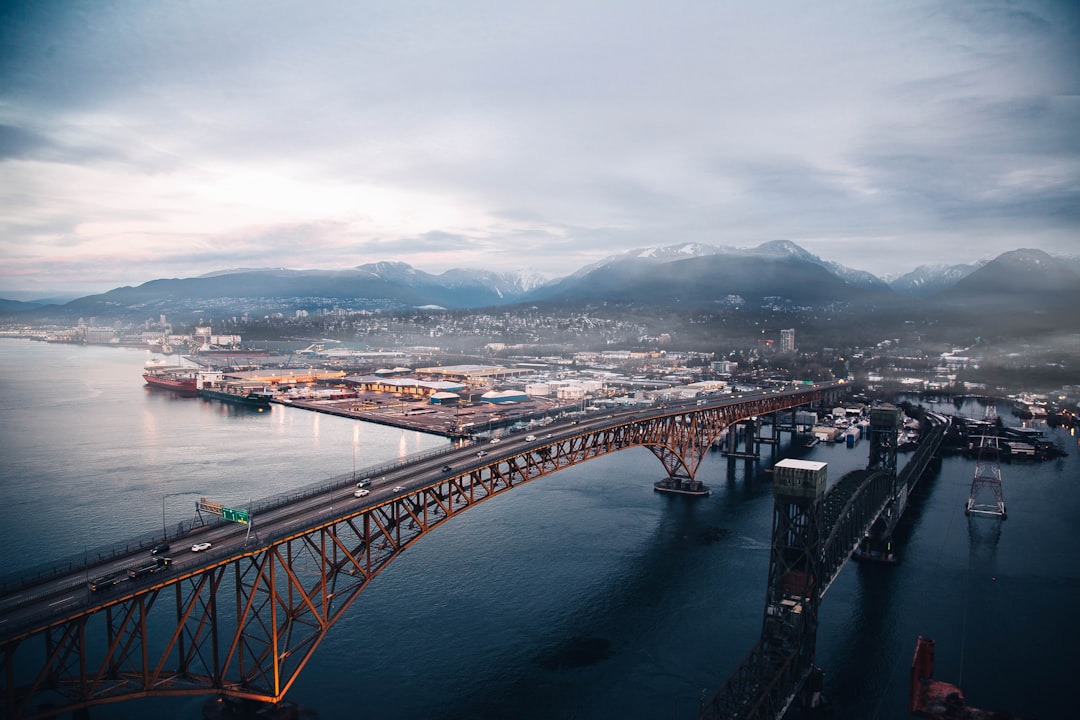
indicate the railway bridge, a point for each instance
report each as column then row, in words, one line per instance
column 244, row 617
column 815, row 533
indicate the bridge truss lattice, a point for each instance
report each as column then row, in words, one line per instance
column 246, row 624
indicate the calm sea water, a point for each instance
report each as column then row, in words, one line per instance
column 581, row 595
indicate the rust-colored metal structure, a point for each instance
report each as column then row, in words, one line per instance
column 937, row 700
column 244, row 625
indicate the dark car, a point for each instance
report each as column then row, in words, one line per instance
column 152, row 567
column 157, row 549
column 446, row 468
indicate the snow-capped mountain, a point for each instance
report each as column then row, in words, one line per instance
column 682, row 275
column 675, row 252
column 395, row 271
column 772, row 250
column 929, row 279
column 786, row 248
column 654, row 254
column 507, row 286
column 1017, row 276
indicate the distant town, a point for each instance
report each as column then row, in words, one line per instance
column 647, row 322
column 456, row 375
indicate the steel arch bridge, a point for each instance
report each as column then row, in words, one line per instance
column 245, row 625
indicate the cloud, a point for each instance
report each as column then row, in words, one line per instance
column 16, row 142
column 545, row 135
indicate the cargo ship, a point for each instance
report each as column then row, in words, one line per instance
column 180, row 381
column 254, row 398
column 238, row 394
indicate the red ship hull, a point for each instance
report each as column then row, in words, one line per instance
column 183, row 384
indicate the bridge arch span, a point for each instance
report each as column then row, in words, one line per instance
column 245, row 625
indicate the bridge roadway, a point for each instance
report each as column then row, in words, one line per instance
column 64, row 600
column 69, row 592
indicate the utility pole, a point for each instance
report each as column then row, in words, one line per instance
column 164, row 528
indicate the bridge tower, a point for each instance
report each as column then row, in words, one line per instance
column 884, row 426
column 987, row 480
column 789, row 630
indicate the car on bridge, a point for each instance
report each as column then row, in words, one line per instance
column 152, row 567
column 158, row 549
column 481, row 453
column 446, row 468
column 361, row 492
column 199, row 547
column 106, row 582
column 399, row 488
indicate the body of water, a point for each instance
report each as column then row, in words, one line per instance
column 582, row 595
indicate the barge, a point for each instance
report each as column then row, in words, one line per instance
column 681, row 486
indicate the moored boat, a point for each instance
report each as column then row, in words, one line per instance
column 180, row 381
column 681, row 486
column 237, row 394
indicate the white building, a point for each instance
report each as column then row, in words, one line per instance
column 787, row 340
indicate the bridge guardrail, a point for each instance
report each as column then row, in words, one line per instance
column 77, row 561
column 31, row 576
column 209, row 558
column 82, row 561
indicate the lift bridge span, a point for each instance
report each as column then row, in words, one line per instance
column 243, row 618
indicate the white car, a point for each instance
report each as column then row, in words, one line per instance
column 494, row 440
column 199, row 547
column 480, row 453
column 530, row 438
column 361, row 492
column 399, row 488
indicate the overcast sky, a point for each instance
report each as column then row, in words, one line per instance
column 168, row 139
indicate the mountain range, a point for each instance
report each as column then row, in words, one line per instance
column 688, row 276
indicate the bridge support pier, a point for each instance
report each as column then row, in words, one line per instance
column 773, row 437
column 748, row 430
column 784, row 421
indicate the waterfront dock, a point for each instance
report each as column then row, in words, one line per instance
column 452, row 421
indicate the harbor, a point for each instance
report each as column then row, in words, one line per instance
column 585, row 553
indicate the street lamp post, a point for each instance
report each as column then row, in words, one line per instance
column 164, row 530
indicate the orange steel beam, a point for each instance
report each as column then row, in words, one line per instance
column 289, row 593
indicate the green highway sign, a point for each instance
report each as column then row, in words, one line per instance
column 240, row 516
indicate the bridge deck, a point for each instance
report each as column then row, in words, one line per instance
column 243, row 618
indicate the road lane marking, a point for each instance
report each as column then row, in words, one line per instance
column 62, row 601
